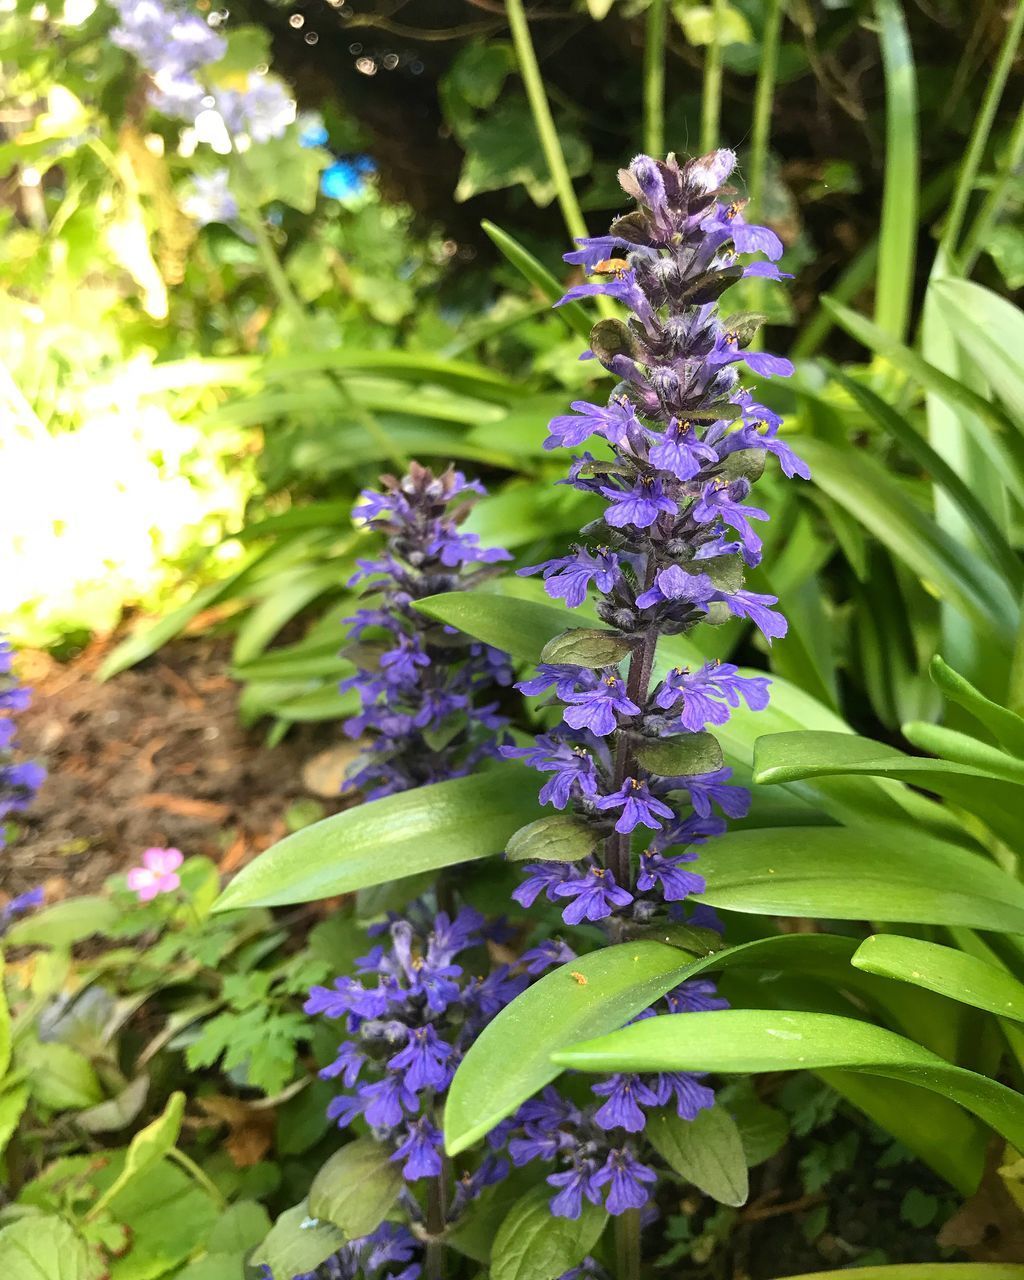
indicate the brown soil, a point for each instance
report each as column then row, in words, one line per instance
column 155, row 756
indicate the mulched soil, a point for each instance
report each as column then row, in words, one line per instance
column 155, row 756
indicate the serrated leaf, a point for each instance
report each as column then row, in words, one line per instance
column 587, row 647
column 706, row 1151
column 356, row 1188
column 558, row 838
column 685, row 755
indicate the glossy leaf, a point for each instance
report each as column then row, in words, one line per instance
column 511, row 1059
column 954, row 747
column 945, row 970
column 297, row 1243
column 898, row 232
column 991, row 329
column 420, row 830
column 559, row 837
column 356, row 1188
column 787, row 757
column 706, row 1151
column 532, row 1244
column 873, row 873
column 745, row 1040
column 1005, row 726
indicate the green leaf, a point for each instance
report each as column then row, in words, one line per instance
column 511, row 1058
column 587, row 647
column 45, row 1247
column 785, row 757
column 65, row 923
column 763, row 1130
column 12, row 1106
column 871, row 873
column 158, row 1137
column 706, row 1151
column 5, row 1024
column 279, row 170
column 119, row 1111
column 60, row 1077
column 928, row 1271
column 745, row 1040
column 1005, row 726
column 532, row 1244
column 572, row 314
column 297, row 1243
column 978, row 759
column 239, row 1228
column 501, row 149
column 897, row 237
column 991, row 330
column 683, row 756
column 558, row 838
column 945, row 970
column 421, row 830
column 862, row 486
column 356, row 1188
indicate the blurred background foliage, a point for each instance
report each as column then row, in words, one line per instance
column 191, row 404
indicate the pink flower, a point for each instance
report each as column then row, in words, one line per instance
column 158, row 873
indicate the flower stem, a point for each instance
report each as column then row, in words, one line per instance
column 208, row 1185
column 711, row 100
column 437, row 1209
column 627, row 1245
column 654, row 79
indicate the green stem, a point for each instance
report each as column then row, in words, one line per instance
column 711, row 99
column 542, row 119
column 979, row 137
column 191, row 1168
column 627, row 1245
column 763, row 96
column 976, row 238
column 654, row 79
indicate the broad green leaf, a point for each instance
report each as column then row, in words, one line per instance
column 297, row 1243
column 871, row 873
column 532, row 1244
column 64, row 923
column 862, row 486
column 954, row 747
column 945, row 970
column 763, row 1129
column 785, row 757
column 45, row 1247
column 558, row 837
column 417, row 831
column 511, row 1058
column 240, row 1227
column 12, row 1106
column 707, row 1151
column 1005, row 726
column 572, row 314
column 60, row 1077
column 587, row 647
column 991, row 329
column 897, row 236
column 745, row 1040
column 356, row 1188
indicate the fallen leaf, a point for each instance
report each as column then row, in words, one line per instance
column 250, row 1131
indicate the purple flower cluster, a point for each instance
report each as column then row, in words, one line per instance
column 389, row 1253
column 598, row 1149
column 410, row 1016
column 685, row 442
column 426, row 693
column 174, row 45
column 19, row 782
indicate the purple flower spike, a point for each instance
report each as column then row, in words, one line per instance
column 596, row 709
column 637, row 805
column 627, row 1180
column 595, row 896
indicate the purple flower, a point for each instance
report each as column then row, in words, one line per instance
column 625, row 1095
column 639, row 505
column 748, row 604
column 724, row 503
column 595, row 896
column 595, row 709
column 691, row 1096
column 550, row 952
column 571, row 764
column 18, row 906
column 626, row 1178
column 675, row 583
column 424, row 1060
column 680, row 451
column 579, row 1181
column 563, row 678
column 614, row 421
column 386, row 1101
column 638, row 806
column 543, row 877
column 712, row 788
column 568, row 577
column 697, row 995
column 421, row 1150
column 657, row 871
column 699, row 692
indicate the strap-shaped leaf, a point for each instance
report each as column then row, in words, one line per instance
column 1005, row 726
column 421, row 830
column 789, row 757
column 744, row 1040
column 512, row 1057
column 869, row 873
column 945, row 970
column 929, row 1271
